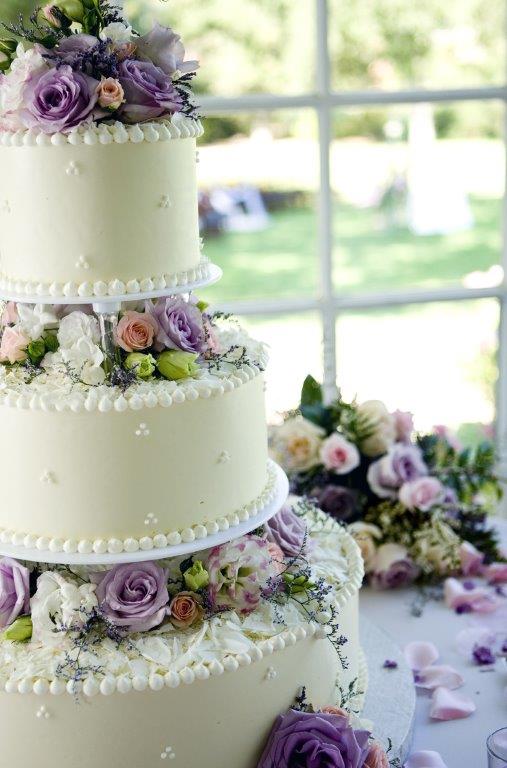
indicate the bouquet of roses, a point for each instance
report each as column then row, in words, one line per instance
column 418, row 505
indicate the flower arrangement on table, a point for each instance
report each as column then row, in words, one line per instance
column 79, row 61
column 416, row 504
column 170, row 339
column 73, row 611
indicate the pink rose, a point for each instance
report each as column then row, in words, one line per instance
column 185, row 609
column 376, row 757
column 339, row 455
column 445, row 434
column 110, row 93
column 10, row 314
column 329, row 710
column 136, row 331
column 13, row 346
column 496, row 573
column 277, row 558
column 404, row 425
column 470, row 559
column 422, row 493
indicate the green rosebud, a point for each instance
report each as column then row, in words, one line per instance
column 8, row 46
column 20, row 631
column 174, row 364
column 143, row 365
column 202, row 305
column 51, row 342
column 196, row 577
column 5, row 62
column 73, row 9
column 36, row 351
column 297, row 584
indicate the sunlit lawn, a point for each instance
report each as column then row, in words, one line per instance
column 281, row 261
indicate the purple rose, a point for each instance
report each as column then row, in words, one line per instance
column 60, row 99
column 392, row 567
column 400, row 465
column 14, row 591
column 74, row 46
column 164, row 48
column 149, row 92
column 314, row 740
column 134, row 596
column 180, row 325
column 337, row 501
column 288, row 531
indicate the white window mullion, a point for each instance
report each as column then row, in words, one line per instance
column 325, row 212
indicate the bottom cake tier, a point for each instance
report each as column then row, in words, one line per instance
column 206, row 695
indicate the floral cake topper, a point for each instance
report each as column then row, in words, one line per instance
column 79, row 61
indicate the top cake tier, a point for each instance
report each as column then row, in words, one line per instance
column 104, row 210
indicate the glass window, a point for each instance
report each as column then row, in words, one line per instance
column 437, row 360
column 418, row 196
column 393, row 44
column 252, row 46
column 258, row 175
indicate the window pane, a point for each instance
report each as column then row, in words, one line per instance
column 295, row 350
column 417, row 195
column 392, row 44
column 258, row 175
column 438, row 361
column 252, row 46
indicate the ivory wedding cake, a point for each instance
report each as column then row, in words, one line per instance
column 157, row 600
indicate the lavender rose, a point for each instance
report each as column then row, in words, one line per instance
column 311, row 740
column 337, row 501
column 400, row 465
column 164, row 48
column 74, row 46
column 288, row 531
column 60, row 99
column 149, row 92
column 14, row 591
column 134, row 596
column 180, row 325
column 392, row 567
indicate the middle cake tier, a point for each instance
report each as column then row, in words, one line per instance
column 98, row 469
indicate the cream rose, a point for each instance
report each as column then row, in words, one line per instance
column 13, row 345
column 366, row 537
column 59, row 604
column 185, row 610
column 110, row 93
column 377, row 420
column 296, row 444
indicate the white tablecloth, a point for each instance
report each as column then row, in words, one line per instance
column 462, row 743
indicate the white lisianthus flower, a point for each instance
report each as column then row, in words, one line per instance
column 380, row 424
column 76, row 327
column 118, row 32
column 78, row 337
column 34, row 320
column 296, row 444
column 12, row 86
column 59, row 603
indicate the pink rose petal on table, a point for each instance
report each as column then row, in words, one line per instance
column 439, row 675
column 425, row 759
column 479, row 600
column 447, row 705
column 420, row 654
column 470, row 559
column 469, row 638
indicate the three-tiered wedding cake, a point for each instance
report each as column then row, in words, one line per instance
column 145, row 557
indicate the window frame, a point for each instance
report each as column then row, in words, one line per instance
column 329, row 303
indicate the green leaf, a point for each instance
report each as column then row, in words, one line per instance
column 311, row 394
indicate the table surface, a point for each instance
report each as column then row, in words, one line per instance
column 462, row 743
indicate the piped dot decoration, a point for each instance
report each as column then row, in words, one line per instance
column 168, row 754
column 73, row 169
column 48, row 477
column 142, row 430
column 151, row 519
column 224, row 457
column 271, row 673
column 6, row 206
column 42, row 713
column 82, row 263
column 165, row 202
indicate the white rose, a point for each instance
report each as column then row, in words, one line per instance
column 78, row 326
column 366, row 536
column 377, row 420
column 24, row 66
column 387, row 555
column 58, row 603
column 34, row 320
column 118, row 32
column 93, row 375
column 296, row 443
